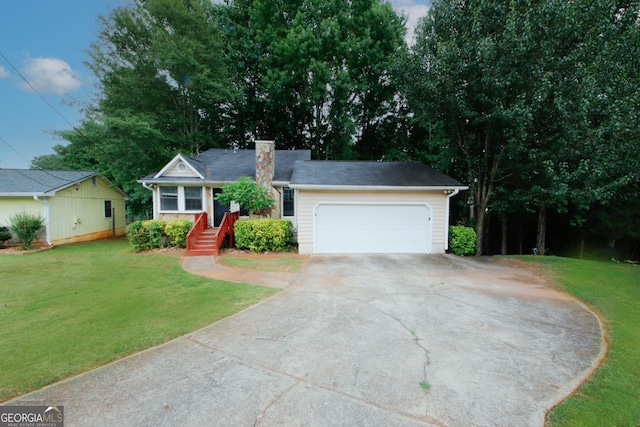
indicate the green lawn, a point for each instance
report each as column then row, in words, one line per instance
column 80, row 306
column 612, row 396
column 288, row 263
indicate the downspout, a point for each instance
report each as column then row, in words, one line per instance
column 153, row 198
column 446, row 219
column 47, row 225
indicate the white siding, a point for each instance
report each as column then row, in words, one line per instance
column 181, row 169
column 309, row 199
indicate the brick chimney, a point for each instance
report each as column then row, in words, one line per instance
column 265, row 159
column 265, row 166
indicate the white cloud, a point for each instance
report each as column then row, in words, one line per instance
column 50, row 75
column 3, row 73
column 413, row 10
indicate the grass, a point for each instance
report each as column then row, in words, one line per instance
column 286, row 263
column 612, row 396
column 80, row 306
column 424, row 385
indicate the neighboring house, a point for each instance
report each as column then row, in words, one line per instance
column 76, row 205
column 335, row 206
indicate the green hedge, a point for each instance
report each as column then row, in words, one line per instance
column 177, row 231
column 145, row 235
column 261, row 235
column 462, row 240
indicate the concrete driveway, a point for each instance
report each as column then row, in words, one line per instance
column 359, row 341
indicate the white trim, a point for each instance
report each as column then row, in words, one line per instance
column 295, row 204
column 446, row 218
column 429, row 236
column 104, row 210
column 173, row 162
column 374, row 187
column 22, row 194
column 47, row 219
column 181, row 200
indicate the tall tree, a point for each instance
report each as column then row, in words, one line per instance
column 162, row 88
column 523, row 103
column 470, row 74
column 317, row 73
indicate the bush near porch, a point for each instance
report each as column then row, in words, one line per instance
column 264, row 234
column 145, row 235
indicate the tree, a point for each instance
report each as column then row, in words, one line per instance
column 523, row 106
column 469, row 76
column 317, row 74
column 163, row 87
column 249, row 195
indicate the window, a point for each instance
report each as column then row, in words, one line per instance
column 169, row 198
column 94, row 180
column 193, row 198
column 107, row 209
column 288, row 204
column 180, row 199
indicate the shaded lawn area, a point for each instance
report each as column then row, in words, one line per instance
column 285, row 263
column 80, row 306
column 612, row 396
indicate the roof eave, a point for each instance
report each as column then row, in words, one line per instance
column 378, row 187
column 31, row 194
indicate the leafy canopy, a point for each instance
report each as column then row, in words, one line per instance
column 249, row 195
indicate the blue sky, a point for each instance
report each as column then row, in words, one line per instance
column 46, row 41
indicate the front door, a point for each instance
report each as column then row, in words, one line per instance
column 218, row 208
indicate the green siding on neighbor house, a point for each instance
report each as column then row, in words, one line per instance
column 76, row 213
column 10, row 206
column 79, row 210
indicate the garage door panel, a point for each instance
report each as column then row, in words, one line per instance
column 372, row 228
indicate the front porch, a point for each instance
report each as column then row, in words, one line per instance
column 203, row 240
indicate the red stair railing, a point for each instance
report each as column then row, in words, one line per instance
column 226, row 229
column 199, row 226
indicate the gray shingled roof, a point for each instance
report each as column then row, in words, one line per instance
column 28, row 181
column 222, row 165
column 362, row 173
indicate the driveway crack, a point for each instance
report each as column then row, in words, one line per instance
column 262, row 413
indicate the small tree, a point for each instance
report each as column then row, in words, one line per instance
column 249, row 195
column 26, row 226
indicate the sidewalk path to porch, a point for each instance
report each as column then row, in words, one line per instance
column 206, row 266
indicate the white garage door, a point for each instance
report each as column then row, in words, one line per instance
column 372, row 228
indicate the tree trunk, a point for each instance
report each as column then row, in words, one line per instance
column 503, row 249
column 583, row 234
column 480, row 223
column 520, row 239
column 542, row 229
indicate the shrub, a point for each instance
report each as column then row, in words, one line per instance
column 5, row 235
column 462, row 240
column 26, row 226
column 177, row 231
column 264, row 234
column 249, row 195
column 145, row 235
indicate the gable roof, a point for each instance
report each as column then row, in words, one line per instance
column 227, row 165
column 328, row 174
column 29, row 182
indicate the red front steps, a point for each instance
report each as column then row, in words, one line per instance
column 205, row 243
